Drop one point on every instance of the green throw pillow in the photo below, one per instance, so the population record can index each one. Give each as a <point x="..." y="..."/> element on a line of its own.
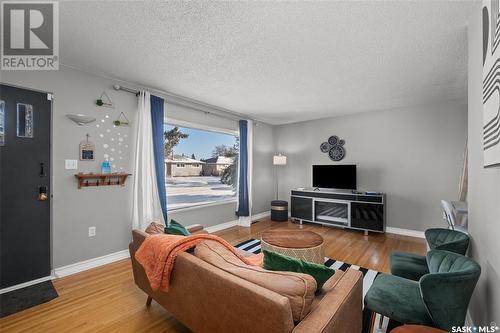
<point x="176" y="228"/>
<point x="278" y="262"/>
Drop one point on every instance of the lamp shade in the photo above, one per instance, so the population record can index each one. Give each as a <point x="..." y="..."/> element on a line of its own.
<point x="279" y="159"/>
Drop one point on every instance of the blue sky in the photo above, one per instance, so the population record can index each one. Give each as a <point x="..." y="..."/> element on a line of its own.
<point x="200" y="142"/>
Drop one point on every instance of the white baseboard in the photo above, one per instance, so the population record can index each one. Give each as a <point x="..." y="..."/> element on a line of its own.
<point x="226" y="225"/>
<point x="221" y="226"/>
<point x="261" y="215"/>
<point x="25" y="284"/>
<point x="91" y="263"/>
<point x="405" y="232"/>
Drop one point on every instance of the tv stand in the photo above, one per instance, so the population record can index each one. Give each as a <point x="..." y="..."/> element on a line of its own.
<point x="341" y="208"/>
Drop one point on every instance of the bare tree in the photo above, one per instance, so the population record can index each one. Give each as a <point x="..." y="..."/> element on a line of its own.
<point x="226" y="151"/>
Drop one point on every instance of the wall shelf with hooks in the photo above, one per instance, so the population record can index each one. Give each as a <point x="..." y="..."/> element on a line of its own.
<point x="101" y="179"/>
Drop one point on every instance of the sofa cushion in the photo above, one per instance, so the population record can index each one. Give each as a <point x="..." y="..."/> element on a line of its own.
<point x="279" y="262"/>
<point x="155" y="228"/>
<point x="298" y="288"/>
<point x="175" y="228"/>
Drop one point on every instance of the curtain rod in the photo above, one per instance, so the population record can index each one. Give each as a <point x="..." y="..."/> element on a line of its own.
<point x="174" y="98"/>
<point x="118" y="87"/>
<point x="191" y="103"/>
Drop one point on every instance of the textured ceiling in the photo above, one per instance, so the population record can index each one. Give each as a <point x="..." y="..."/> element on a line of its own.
<point x="279" y="62"/>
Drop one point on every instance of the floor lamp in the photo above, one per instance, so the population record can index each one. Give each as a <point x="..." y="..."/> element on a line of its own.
<point x="277" y="161"/>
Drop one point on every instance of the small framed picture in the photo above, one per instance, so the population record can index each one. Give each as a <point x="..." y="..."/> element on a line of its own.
<point x="87" y="151"/>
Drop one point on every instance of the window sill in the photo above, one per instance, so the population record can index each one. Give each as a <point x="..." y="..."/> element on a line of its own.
<point x="193" y="207"/>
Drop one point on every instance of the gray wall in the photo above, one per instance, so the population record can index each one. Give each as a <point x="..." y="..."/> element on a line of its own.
<point x="414" y="155"/>
<point x="263" y="151"/>
<point x="73" y="210"/>
<point x="484" y="191"/>
<point x="108" y="208"/>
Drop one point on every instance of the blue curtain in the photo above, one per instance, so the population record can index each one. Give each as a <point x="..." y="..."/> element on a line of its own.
<point x="243" y="203"/>
<point x="157" y="113"/>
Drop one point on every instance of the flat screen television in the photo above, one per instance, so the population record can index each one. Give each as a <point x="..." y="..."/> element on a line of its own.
<point x="335" y="176"/>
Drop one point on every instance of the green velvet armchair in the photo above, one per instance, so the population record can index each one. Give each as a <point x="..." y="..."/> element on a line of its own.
<point x="408" y="265"/>
<point x="448" y="240"/>
<point x="437" y="298"/>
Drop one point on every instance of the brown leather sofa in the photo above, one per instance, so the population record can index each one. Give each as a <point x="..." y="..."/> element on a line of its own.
<point x="208" y="297"/>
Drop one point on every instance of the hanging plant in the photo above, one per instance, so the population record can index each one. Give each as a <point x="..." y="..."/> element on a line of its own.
<point x="122" y="120"/>
<point x="104" y="100"/>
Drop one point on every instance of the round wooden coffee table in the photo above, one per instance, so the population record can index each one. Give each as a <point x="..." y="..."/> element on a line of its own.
<point x="301" y="244"/>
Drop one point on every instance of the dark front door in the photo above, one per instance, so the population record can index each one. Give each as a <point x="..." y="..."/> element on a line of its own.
<point x="25" y="120"/>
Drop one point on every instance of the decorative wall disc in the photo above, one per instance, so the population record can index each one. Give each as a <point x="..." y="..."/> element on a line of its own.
<point x="325" y="147"/>
<point x="336" y="153"/>
<point x="333" y="140"/>
<point x="334" y="148"/>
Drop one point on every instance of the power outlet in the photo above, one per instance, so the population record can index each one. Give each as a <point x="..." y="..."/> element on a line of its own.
<point x="91" y="231"/>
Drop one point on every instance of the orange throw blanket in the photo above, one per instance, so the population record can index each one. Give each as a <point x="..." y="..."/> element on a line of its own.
<point x="158" y="252"/>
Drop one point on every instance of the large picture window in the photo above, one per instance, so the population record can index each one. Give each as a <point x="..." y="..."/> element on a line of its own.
<point x="200" y="166"/>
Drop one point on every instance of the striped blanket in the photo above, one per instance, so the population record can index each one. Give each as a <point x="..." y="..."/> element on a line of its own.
<point x="253" y="246"/>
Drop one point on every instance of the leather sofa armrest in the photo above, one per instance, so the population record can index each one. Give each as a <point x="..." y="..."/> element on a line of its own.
<point x="332" y="281"/>
<point x="340" y="310"/>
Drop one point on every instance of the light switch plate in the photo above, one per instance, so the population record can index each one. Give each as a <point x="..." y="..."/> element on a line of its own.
<point x="71" y="164"/>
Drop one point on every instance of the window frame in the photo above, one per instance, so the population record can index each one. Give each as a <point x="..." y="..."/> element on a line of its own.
<point x="207" y="128"/>
<point x="196" y="126"/>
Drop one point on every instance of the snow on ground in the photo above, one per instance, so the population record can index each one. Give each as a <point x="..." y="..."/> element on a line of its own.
<point x="196" y="190"/>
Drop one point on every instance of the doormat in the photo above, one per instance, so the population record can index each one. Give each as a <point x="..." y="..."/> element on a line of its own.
<point x="27" y="297"/>
<point x="386" y="325"/>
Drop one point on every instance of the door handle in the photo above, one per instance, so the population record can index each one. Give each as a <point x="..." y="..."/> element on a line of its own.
<point x="42" y="193"/>
<point x="42" y="170"/>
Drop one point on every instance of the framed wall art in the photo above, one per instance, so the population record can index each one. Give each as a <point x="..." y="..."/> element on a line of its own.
<point x="87" y="150"/>
<point x="491" y="83"/>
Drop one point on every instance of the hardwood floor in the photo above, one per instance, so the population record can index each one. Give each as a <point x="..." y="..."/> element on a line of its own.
<point x="105" y="299"/>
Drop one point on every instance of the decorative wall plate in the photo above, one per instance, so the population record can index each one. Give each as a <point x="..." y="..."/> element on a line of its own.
<point x="333" y="140"/>
<point x="334" y="148"/>
<point x="336" y="153"/>
<point x="325" y="147"/>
